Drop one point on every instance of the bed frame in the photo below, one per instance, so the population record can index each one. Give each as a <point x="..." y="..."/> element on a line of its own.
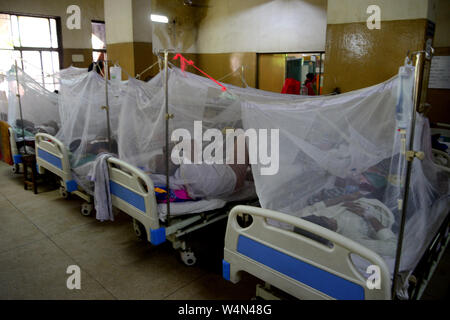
<point x="296" y="264"/>
<point x="442" y="154"/>
<point x="132" y="191"/>
<point x="52" y="155"/>
<point x="306" y="269"/>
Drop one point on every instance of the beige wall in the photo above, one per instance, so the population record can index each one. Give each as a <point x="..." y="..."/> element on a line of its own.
<point x="263" y="26"/>
<point x="119" y="21"/>
<point x="348" y="11"/>
<point x="241" y="26"/>
<point x="181" y="32"/>
<point x="142" y="25"/>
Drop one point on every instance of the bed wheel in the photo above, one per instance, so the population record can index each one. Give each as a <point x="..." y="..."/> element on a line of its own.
<point x="15" y="168"/>
<point x="86" y="209"/>
<point x="188" y="257"/>
<point x="63" y="192"/>
<point x="139" y="230"/>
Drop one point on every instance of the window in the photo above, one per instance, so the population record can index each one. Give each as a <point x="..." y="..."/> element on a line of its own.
<point x="33" y="42"/>
<point x="98" y="40"/>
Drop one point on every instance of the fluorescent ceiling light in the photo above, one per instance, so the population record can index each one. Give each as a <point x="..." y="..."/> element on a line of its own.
<point x="159" y="18"/>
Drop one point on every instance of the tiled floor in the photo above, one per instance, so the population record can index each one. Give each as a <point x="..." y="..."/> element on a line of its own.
<point x="41" y="235"/>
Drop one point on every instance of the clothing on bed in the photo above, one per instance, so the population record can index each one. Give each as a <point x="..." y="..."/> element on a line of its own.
<point x="102" y="197"/>
<point x="175" y="195"/>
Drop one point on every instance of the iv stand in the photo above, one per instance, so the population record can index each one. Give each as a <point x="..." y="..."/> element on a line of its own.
<point x="410" y="155"/>
<point x="106" y="106"/>
<point x="20" y="107"/>
<point x="168" y="117"/>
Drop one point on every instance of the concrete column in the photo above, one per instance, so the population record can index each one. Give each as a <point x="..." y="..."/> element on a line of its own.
<point x="129" y="35"/>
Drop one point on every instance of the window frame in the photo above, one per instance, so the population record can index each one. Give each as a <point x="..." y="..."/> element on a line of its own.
<point x="98" y="50"/>
<point x="21" y="49"/>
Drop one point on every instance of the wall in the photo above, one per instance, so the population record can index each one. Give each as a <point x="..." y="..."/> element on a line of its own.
<point x="358" y="57"/>
<point x="263" y="26"/>
<point x="440" y="98"/>
<point x="271" y="71"/>
<point x="219" y="65"/>
<point x="222" y="36"/>
<point x="74" y="41"/>
<point x="348" y="11"/>
<point x="180" y="33"/>
<point x="119" y="33"/>
<point x="129" y="35"/>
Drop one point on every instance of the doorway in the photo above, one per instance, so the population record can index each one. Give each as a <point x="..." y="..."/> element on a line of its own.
<point x="275" y="68"/>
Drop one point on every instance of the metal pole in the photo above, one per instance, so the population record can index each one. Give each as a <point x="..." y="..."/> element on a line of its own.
<point x="20" y="108"/>
<point x="166" y="101"/>
<point x="108" y="125"/>
<point x="417" y="88"/>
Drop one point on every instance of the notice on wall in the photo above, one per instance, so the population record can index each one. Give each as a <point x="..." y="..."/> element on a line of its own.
<point x="440" y="73"/>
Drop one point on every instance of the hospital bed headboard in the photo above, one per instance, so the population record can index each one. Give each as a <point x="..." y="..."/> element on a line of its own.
<point x="296" y="264"/>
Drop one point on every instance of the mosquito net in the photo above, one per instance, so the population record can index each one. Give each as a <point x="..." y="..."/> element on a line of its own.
<point x="201" y="111"/>
<point x="82" y="101"/>
<point x="342" y="165"/>
<point x="3" y="98"/>
<point x="39" y="106"/>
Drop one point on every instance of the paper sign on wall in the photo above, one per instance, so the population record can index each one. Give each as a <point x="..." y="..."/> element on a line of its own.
<point x="440" y="73"/>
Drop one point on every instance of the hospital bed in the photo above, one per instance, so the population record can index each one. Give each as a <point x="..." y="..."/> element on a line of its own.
<point x="441" y="159"/>
<point x="305" y="268"/>
<point x="16" y="155"/>
<point x="52" y="155"/>
<point x="132" y="191"/>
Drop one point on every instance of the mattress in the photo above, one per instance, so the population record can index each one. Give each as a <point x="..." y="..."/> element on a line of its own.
<point x="191" y="207"/>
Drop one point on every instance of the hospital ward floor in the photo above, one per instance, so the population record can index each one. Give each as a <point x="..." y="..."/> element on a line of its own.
<point x="41" y="235"/>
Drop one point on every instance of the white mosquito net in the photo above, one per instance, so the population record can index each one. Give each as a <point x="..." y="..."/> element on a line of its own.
<point x="84" y="130"/>
<point x="342" y="166"/>
<point x="198" y="104"/>
<point x="39" y="106"/>
<point x="3" y="98"/>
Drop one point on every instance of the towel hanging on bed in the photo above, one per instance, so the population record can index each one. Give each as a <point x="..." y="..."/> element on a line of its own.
<point x="102" y="196"/>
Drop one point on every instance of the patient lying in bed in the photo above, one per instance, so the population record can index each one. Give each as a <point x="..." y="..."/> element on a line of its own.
<point x="366" y="221"/>
<point x="208" y="181"/>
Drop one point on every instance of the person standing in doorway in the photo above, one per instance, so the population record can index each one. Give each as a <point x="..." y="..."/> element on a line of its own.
<point x="309" y="84"/>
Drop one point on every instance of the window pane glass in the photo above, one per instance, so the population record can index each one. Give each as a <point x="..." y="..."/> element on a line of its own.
<point x="98" y="36"/>
<point x="95" y="55"/>
<point x="7" y="59"/>
<point x="15" y="31"/>
<point x="50" y="63"/>
<point x="34" y="32"/>
<point x="54" y="34"/>
<point x="55" y="57"/>
<point x="5" y="32"/>
<point x="32" y="64"/>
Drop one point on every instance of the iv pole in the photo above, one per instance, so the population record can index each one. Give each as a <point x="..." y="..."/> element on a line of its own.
<point x="168" y="117"/>
<point x="106" y="106"/>
<point x="20" y="107"/>
<point x="410" y="155"/>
